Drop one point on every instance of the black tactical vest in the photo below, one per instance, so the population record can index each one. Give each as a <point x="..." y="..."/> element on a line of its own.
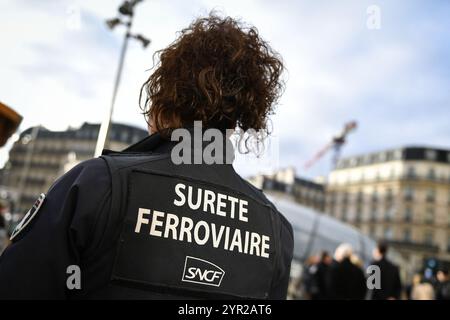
<point x="191" y="230"/>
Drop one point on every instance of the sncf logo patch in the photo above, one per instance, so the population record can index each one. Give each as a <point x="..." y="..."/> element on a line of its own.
<point x="200" y="271"/>
<point x="29" y="216"/>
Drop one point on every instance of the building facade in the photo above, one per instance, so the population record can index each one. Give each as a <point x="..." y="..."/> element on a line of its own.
<point x="285" y="183"/>
<point x="401" y="196"/>
<point x="40" y="156"/>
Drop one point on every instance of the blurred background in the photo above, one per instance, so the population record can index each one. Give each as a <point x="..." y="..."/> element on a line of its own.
<point x="360" y="149"/>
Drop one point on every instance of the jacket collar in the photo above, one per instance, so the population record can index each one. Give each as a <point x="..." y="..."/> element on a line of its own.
<point x="153" y="143"/>
<point x="158" y="144"/>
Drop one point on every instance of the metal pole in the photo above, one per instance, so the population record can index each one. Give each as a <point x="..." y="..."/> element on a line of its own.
<point x="104" y="128"/>
<point x="27" y="163"/>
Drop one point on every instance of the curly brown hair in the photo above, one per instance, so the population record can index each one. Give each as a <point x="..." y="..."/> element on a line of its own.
<point x="218" y="71"/>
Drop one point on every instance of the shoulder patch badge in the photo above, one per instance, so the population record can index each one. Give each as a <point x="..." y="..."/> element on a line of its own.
<point x="29" y="216"/>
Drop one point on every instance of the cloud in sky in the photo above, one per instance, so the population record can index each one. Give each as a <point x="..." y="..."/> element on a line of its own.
<point x="394" y="81"/>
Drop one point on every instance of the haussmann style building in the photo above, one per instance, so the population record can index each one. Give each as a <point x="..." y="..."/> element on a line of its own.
<point x="40" y="156"/>
<point x="401" y="196"/>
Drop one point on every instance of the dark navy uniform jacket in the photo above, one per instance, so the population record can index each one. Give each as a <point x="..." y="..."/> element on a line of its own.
<point x="127" y="221"/>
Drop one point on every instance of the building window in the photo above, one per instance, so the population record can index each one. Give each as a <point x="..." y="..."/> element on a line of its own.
<point x="389" y="213"/>
<point x="359" y="206"/>
<point x="331" y="199"/>
<point x="373" y="214"/>
<point x="94" y="133"/>
<point x="377" y="176"/>
<point x="431" y="194"/>
<point x="124" y="136"/>
<point x="388" y="233"/>
<point x="358" y="214"/>
<point x="389" y="195"/>
<point x="113" y="135"/>
<point x="407" y="235"/>
<point x="359" y="197"/>
<point x="431" y="174"/>
<point x="411" y="172"/>
<point x="429" y="216"/>
<point x="374" y="196"/>
<point x="428" y="238"/>
<point x="392" y="173"/>
<point x="344" y="205"/>
<point x="431" y="155"/>
<point x="135" y="139"/>
<point x="372" y="233"/>
<point x="408" y="193"/>
<point x="408" y="214"/>
<point x="389" y="156"/>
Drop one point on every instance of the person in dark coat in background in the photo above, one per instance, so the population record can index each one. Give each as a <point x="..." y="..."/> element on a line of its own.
<point x="391" y="286"/>
<point x="443" y="285"/>
<point x="346" y="281"/>
<point x="320" y="276"/>
<point x="309" y="283"/>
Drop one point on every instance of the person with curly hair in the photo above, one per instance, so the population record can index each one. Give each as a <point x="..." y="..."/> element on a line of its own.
<point x="137" y="225"/>
<point x="217" y="71"/>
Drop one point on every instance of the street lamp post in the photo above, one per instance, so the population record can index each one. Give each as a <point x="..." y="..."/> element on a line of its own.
<point x="31" y="140"/>
<point x="126" y="10"/>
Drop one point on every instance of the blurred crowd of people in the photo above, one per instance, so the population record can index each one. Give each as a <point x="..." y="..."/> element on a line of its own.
<point x="342" y="277"/>
<point x="436" y="288"/>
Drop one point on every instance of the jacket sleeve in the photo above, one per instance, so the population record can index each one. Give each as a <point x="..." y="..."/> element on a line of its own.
<point x="280" y="285"/>
<point x="35" y="265"/>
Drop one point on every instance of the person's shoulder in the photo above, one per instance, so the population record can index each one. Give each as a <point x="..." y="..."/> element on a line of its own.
<point x="121" y="160"/>
<point x="93" y="164"/>
<point x="389" y="264"/>
<point x="91" y="169"/>
<point x="89" y="174"/>
<point x="395" y="267"/>
<point x="334" y="264"/>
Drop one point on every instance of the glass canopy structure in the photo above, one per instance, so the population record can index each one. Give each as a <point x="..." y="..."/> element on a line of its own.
<point x="315" y="232"/>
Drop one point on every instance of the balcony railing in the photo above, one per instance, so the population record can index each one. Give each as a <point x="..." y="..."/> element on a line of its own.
<point x="396" y="178"/>
<point x="414" y="245"/>
<point x="408" y="197"/>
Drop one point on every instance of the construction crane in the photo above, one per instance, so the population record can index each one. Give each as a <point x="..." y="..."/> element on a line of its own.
<point x="335" y="144"/>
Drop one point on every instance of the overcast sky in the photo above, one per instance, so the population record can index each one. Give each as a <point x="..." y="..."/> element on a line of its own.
<point x="58" y="61"/>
